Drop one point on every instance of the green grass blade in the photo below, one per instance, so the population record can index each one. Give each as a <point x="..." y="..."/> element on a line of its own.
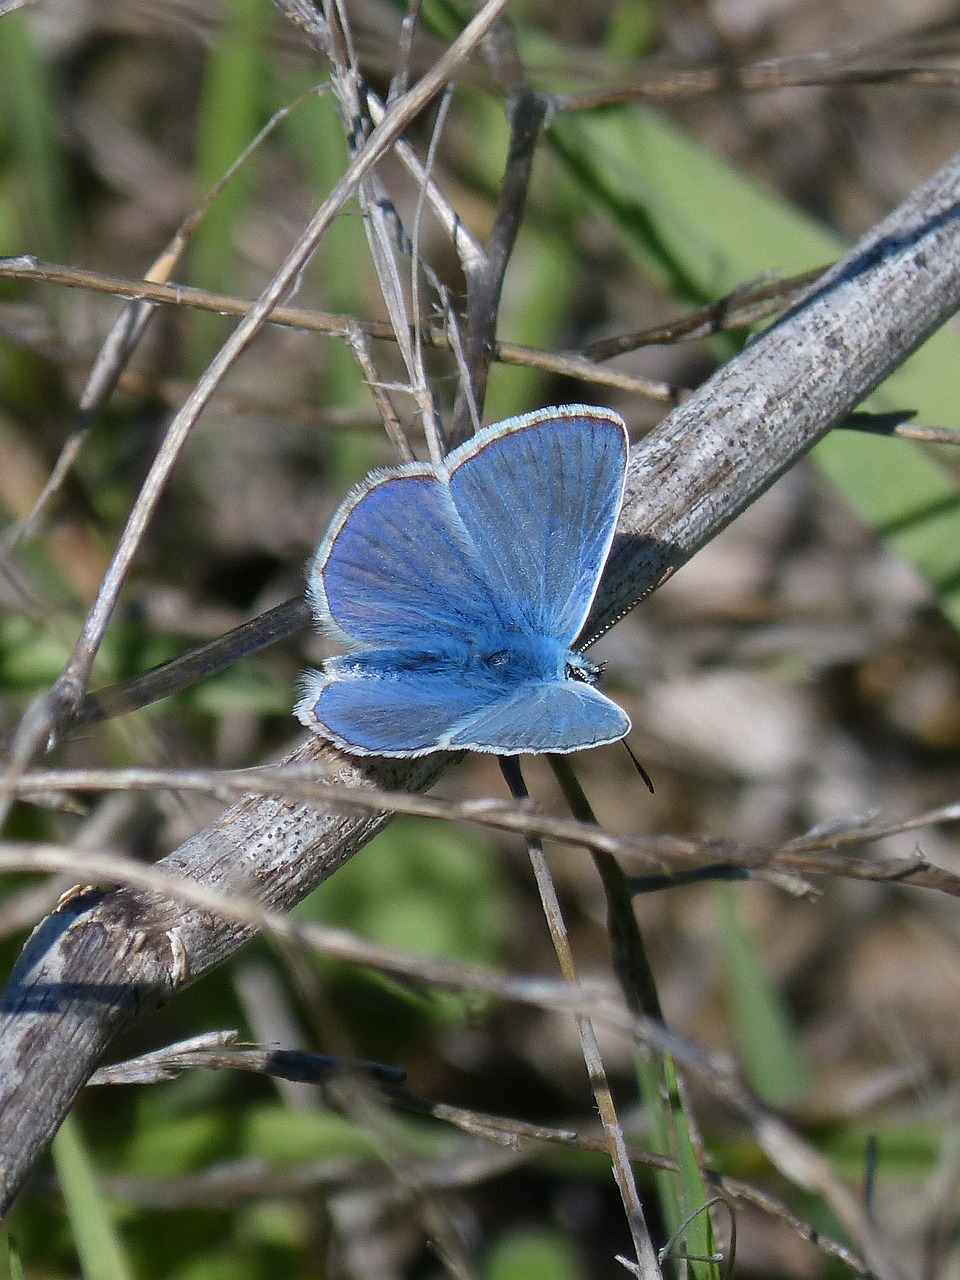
<point x="29" y="113"/>
<point x="696" y="1239"/>
<point x="97" y="1243"/>
<point x="11" y="1256"/>
<point x="229" y="116"/>
<point x="682" y="1196"/>
<point x="769" y="1047"/>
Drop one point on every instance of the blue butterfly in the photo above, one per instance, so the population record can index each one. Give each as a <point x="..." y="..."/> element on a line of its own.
<point x="458" y="590"/>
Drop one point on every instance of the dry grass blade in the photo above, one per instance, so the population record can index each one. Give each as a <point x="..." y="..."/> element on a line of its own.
<point x="929" y="64"/>
<point x="218" y="1052"/>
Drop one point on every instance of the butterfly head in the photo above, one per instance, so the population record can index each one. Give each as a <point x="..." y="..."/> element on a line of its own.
<point x="577" y="667"/>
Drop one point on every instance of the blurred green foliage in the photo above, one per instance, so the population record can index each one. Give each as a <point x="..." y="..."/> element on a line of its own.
<point x="678" y="215"/>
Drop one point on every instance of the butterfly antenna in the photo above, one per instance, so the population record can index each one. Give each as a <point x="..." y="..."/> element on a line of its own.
<point x="648" y="781"/>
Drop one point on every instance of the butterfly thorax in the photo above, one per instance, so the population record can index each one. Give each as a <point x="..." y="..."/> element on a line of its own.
<point x="522" y="657"/>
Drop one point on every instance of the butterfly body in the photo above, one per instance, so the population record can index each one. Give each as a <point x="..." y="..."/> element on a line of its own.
<point x="460" y="589"/>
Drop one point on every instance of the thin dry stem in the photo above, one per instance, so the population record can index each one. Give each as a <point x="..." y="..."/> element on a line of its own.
<point x="563" y="364"/>
<point x="820" y="852"/>
<point x="646" y="1264"/>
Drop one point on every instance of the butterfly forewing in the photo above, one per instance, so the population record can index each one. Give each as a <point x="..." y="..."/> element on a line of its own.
<point x="540" y="501"/>
<point x="399" y="570"/>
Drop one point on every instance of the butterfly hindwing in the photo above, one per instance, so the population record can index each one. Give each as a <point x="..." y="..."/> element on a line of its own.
<point x="408" y="715"/>
<point x="404" y="715"/>
<point x="559" y="717"/>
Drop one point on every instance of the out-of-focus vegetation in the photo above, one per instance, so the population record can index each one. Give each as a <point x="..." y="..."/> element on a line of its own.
<point x="802" y="669"/>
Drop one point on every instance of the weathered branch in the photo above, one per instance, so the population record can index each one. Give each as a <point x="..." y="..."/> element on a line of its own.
<point x="90" y="969"/>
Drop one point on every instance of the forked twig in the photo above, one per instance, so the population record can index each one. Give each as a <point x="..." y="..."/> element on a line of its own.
<point x="656" y="861"/>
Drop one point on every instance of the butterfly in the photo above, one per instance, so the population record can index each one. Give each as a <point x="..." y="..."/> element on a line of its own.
<point x="458" y="590"/>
